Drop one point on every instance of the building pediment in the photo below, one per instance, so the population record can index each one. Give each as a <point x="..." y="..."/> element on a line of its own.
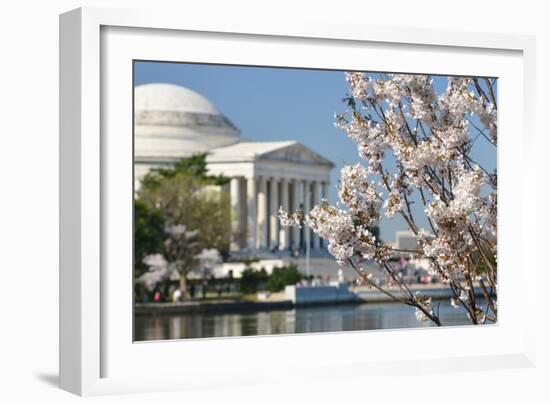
<point x="283" y="151"/>
<point x="297" y="153"/>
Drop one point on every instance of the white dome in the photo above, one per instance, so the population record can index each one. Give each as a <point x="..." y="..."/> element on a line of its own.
<point x="174" y="122"/>
<point x="170" y="97"/>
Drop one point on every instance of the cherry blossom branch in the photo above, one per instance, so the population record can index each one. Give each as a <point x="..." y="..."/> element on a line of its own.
<point x="433" y="159"/>
<point x="480" y="131"/>
<point x="491" y="92"/>
<point x="480" y="90"/>
<point x="411" y="301"/>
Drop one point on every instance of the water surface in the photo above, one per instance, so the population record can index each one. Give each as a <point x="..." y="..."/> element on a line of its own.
<point x="368" y="316"/>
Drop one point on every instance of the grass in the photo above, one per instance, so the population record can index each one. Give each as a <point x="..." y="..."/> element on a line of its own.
<point x="213" y="296"/>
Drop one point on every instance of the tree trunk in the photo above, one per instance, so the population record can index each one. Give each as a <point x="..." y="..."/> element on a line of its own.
<point x="183" y="284"/>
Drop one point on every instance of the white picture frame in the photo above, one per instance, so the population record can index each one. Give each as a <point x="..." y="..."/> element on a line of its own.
<point x="96" y="355"/>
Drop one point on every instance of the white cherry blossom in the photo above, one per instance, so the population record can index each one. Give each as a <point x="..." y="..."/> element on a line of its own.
<point x="416" y="145"/>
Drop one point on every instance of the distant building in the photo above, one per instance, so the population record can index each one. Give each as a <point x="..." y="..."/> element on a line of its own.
<point x="406" y="240"/>
<point x="174" y="122"/>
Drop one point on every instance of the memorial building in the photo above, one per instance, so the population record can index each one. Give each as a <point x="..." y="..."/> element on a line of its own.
<point x="174" y="122"/>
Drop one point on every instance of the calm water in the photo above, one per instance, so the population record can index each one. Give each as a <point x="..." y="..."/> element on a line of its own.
<point x="300" y="320"/>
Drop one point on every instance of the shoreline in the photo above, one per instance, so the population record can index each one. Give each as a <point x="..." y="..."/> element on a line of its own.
<point x="232" y="306"/>
<point x="169" y="308"/>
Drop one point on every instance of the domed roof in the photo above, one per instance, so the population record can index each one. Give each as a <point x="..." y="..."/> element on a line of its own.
<point x="170" y="97"/>
<point x="173" y="122"/>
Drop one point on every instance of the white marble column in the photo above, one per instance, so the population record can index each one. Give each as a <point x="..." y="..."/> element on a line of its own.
<point x="284" y="233"/>
<point x="236" y="214"/>
<point x="251" y="213"/>
<point x="307" y="208"/>
<point x="315" y="190"/>
<point x="296" y="197"/>
<point x="273" y="212"/>
<point x="324" y="196"/>
<point x="261" y="238"/>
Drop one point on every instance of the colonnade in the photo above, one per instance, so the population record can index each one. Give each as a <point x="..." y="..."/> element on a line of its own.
<point x="255" y="203"/>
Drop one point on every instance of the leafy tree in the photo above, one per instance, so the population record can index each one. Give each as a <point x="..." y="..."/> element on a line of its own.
<point x="187" y="197"/>
<point x="194" y="166"/>
<point x="251" y="280"/>
<point x="186" y="200"/>
<point x="148" y="234"/>
<point x="283" y="276"/>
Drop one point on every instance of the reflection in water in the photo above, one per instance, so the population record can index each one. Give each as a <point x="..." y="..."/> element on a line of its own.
<point x="299" y="320"/>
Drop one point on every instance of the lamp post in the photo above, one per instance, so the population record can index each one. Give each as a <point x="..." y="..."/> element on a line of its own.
<point x="307" y="241"/>
<point x="308" y="245"/>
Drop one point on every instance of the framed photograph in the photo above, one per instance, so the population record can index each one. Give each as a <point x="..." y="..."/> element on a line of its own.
<point x="281" y="198"/>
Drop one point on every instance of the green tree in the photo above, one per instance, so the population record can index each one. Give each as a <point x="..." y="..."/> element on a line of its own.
<point x="283" y="276"/>
<point x="148" y="234"/>
<point x="252" y="280"/>
<point x="186" y="196"/>
<point x="194" y="166"/>
<point x="186" y="200"/>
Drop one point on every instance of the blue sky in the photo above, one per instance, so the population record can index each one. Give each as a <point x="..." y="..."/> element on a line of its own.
<point x="270" y="104"/>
